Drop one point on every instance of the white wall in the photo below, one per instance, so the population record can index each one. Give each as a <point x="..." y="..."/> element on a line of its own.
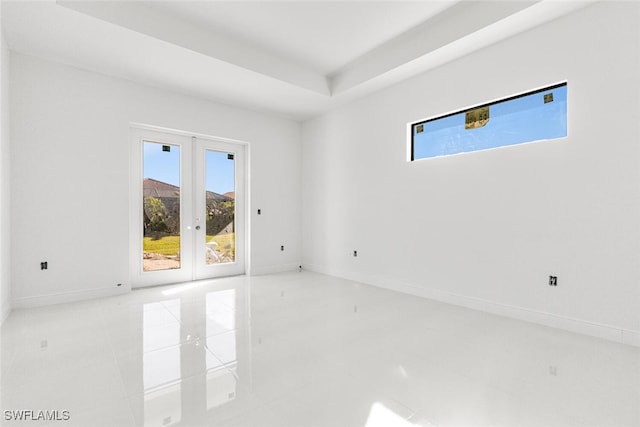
<point x="5" y="259"/>
<point x="70" y="177"/>
<point x="486" y="229"/>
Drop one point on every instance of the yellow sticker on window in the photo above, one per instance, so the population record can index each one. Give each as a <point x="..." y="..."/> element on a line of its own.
<point x="476" y="118"/>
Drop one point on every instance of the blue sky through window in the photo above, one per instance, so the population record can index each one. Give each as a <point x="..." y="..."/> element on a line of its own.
<point x="220" y="172"/>
<point x="162" y="165"/>
<point x="165" y="166"/>
<point x="512" y="121"/>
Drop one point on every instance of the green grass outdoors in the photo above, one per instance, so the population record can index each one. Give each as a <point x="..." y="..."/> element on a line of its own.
<point x="170" y="245"/>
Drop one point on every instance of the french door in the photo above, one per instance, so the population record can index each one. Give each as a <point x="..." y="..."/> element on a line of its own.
<point x="188" y="208"/>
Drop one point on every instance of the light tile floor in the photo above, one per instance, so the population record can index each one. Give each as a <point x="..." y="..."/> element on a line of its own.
<point x="302" y="349"/>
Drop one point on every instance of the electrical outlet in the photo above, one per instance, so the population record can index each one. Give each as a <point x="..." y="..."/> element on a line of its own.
<point x="44" y="265"/>
<point x="553" y="280"/>
<point x="282" y="248"/>
<point x="355" y="253"/>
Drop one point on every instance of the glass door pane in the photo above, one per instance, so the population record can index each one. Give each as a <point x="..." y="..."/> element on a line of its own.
<point x="188" y="208"/>
<point x="161" y="207"/>
<point x="220" y="240"/>
<point x="219" y="183"/>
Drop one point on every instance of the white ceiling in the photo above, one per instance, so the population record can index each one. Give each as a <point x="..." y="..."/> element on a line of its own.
<point x="293" y="58"/>
<point x="322" y="36"/>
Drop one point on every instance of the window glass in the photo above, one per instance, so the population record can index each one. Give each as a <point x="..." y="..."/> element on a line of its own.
<point x="533" y="116"/>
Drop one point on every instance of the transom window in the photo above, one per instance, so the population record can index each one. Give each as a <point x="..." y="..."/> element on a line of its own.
<point x="533" y="116"/>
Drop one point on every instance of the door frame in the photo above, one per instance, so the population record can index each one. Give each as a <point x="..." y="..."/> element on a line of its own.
<point x="187" y="141"/>
<point x="200" y="147"/>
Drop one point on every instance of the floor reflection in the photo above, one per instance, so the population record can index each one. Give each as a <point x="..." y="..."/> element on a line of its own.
<point x="221" y="342"/>
<point x="174" y="358"/>
<point x="302" y="349"/>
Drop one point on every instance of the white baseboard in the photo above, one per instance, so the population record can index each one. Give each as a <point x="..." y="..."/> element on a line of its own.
<point x="580" y="326"/>
<point x="65" y="297"/>
<point x="272" y="269"/>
